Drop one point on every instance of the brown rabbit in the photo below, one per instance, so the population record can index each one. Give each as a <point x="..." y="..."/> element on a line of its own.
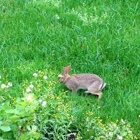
<point x="92" y="82"/>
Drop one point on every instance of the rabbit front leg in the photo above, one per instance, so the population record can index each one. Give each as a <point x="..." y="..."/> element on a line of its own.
<point x="73" y="87"/>
<point x="74" y="90"/>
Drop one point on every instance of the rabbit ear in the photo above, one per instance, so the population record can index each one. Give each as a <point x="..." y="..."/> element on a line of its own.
<point x="66" y="70"/>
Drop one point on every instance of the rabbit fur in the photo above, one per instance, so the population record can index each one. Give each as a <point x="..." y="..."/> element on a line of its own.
<point x="92" y="82"/>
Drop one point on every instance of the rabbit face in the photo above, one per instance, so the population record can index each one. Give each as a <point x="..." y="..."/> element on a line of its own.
<point x="64" y="75"/>
<point x="60" y="78"/>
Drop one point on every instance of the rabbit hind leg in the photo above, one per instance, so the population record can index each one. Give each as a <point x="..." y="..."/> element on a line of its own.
<point x="99" y="93"/>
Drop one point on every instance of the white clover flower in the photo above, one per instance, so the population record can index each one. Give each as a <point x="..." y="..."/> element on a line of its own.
<point x="40" y="100"/>
<point x="9" y="84"/>
<point x="44" y="103"/>
<point x="3" y="86"/>
<point x="122" y="121"/>
<point x="31" y="86"/>
<point x="0" y="76"/>
<point x="35" y="74"/>
<point x="28" y="90"/>
<point x="110" y="134"/>
<point x="45" y="77"/>
<point x="119" y="137"/>
<point x="57" y="17"/>
<point x="29" y="98"/>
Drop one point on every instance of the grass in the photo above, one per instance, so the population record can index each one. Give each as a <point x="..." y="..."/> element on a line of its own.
<point x="99" y="37"/>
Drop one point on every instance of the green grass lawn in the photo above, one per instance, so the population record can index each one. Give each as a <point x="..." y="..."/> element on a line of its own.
<point x="43" y="36"/>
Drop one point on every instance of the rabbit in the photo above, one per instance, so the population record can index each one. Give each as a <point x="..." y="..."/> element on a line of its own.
<point x="92" y="82"/>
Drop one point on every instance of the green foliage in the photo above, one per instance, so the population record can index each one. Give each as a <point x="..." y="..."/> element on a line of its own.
<point x="38" y="38"/>
<point x="51" y="116"/>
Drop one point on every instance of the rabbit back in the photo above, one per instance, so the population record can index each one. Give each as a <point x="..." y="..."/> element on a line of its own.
<point x="84" y="81"/>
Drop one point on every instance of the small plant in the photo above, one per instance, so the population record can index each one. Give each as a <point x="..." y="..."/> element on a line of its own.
<point x="33" y="116"/>
<point x="17" y="118"/>
<point x="93" y="128"/>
